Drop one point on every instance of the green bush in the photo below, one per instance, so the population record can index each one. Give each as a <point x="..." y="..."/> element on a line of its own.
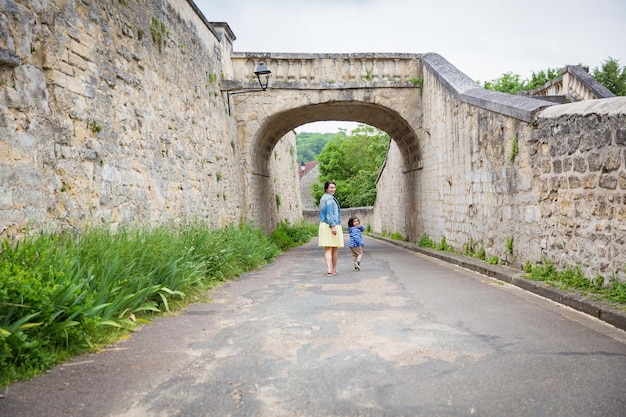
<point x="287" y="236"/>
<point x="426" y="242"/>
<point x="617" y="292"/>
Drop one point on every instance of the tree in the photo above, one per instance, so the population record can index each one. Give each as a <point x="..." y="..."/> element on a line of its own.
<point x="309" y="145"/>
<point x="538" y="79"/>
<point x="354" y="163"/>
<point x="611" y="76"/>
<point x="512" y="83"/>
<point x="506" y="83"/>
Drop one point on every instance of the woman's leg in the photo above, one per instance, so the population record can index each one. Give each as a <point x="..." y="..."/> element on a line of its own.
<point x="328" y="258"/>
<point x="335" y="256"/>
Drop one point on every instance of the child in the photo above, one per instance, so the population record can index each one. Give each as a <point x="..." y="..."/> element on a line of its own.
<point x="356" y="241"/>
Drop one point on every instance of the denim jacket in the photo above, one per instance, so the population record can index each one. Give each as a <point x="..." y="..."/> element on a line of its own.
<point x="329" y="210"/>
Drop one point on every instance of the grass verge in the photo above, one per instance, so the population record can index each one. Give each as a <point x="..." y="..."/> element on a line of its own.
<point x="571" y="279"/>
<point x="62" y="294"/>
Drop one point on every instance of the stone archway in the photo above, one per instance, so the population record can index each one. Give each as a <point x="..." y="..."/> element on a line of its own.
<point x="259" y="149"/>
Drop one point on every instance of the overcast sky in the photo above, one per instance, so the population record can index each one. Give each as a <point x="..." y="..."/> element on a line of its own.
<point x="482" y="38"/>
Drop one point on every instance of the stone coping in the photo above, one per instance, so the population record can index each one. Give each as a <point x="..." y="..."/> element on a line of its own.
<point x="468" y="91"/>
<point x="460" y="85"/>
<point x="613" y="106"/>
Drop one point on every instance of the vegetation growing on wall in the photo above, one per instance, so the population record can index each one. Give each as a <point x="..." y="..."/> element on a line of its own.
<point x="514" y="148"/>
<point x="96" y="127"/>
<point x="418" y="82"/>
<point x="158" y="30"/>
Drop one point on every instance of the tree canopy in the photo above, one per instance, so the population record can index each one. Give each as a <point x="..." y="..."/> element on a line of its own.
<point x="353" y="162"/>
<point x="309" y="145"/>
<point x="611" y="76"/>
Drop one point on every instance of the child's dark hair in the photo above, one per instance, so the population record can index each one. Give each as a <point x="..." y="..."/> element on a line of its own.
<point x="351" y="221"/>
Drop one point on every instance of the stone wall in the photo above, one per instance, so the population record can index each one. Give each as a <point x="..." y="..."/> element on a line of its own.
<point x="363" y="213"/>
<point x="111" y="112"/>
<point x="115" y="113"/>
<point x="285" y="195"/>
<point x="578" y="152"/>
<point x="551" y="189"/>
<point x="306" y="188"/>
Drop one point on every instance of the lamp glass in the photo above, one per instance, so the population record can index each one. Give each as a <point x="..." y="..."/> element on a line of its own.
<point x="262" y="70"/>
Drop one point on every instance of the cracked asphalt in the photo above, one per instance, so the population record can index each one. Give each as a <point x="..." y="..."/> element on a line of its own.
<point x="409" y="335"/>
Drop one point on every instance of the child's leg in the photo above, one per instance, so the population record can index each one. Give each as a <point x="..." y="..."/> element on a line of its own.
<point x="359" y="254"/>
<point x="354" y="253"/>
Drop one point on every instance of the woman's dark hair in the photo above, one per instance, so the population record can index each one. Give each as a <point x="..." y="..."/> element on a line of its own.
<point x="327" y="184"/>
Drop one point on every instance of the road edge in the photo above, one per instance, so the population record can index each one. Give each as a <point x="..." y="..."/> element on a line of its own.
<point x="598" y="309"/>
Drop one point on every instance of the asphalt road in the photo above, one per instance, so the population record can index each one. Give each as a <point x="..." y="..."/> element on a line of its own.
<point x="408" y="335"/>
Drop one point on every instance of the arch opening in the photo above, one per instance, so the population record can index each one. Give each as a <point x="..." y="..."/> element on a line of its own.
<point x="380" y="117"/>
<point x="277" y="125"/>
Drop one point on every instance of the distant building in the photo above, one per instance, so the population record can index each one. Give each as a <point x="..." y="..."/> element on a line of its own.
<point x="308" y="173"/>
<point x="305" y="167"/>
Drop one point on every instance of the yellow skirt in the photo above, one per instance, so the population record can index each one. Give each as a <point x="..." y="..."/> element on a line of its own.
<point x="326" y="237"/>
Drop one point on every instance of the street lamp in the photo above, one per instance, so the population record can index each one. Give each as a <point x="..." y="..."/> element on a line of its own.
<point x="262" y="74"/>
<point x="263" y="70"/>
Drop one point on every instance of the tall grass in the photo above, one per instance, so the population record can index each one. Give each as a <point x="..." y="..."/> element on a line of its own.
<point x="64" y="293"/>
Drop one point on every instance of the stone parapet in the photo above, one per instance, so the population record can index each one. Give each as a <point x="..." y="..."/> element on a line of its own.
<point x="328" y="71"/>
<point x="574" y="84"/>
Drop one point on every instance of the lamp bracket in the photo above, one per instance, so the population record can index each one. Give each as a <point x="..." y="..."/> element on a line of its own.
<point x="232" y="93"/>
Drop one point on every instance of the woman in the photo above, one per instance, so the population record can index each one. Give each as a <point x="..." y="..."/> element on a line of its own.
<point x="330" y="233"/>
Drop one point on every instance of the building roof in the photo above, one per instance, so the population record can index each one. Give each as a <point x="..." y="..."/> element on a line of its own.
<point x="308" y="166"/>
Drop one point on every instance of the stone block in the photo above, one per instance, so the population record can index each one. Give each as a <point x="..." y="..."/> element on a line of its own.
<point x="594" y="161"/>
<point x="9" y="58"/>
<point x="590" y="181"/>
<point x="580" y="164"/>
<point x="75" y="85"/>
<point x="574" y="182"/>
<point x="77" y="61"/>
<point x="81" y="50"/>
<point x="6" y="197"/>
<point x="608" y="181"/>
<point x="612" y="160"/>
